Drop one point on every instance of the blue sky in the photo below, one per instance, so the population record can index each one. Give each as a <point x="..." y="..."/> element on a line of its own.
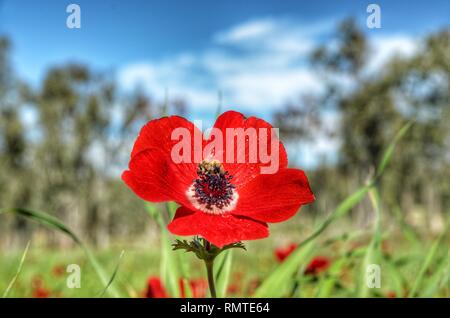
<point x="115" y="33"/>
<point x="254" y="51"/>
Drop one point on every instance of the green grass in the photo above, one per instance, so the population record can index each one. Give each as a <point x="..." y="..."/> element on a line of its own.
<point x="412" y="264"/>
<point x="402" y="265"/>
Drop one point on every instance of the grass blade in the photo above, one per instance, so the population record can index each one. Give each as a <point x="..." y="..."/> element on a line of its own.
<point x="438" y="279"/>
<point x="408" y="231"/>
<point x="387" y="155"/>
<point x="397" y="281"/>
<point x="56" y="224"/>
<point x="171" y="267"/>
<point x="19" y="269"/>
<point x="283" y="273"/>
<point x="113" y="276"/>
<point x="277" y="284"/>
<point x="222" y="272"/>
<point x="373" y="250"/>
<point x="327" y="284"/>
<point x="427" y="262"/>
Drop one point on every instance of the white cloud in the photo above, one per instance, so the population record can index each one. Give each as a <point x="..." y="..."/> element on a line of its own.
<point x="275" y="35"/>
<point x="246" y="31"/>
<point x="259" y="65"/>
<point x="269" y="70"/>
<point x="175" y="76"/>
<point x="139" y="74"/>
<point x="269" y="88"/>
<point x="388" y="46"/>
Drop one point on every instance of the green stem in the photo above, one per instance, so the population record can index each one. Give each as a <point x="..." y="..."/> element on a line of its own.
<point x="209" y="269"/>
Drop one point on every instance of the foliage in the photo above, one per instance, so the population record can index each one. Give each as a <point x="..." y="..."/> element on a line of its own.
<point x="66" y="156"/>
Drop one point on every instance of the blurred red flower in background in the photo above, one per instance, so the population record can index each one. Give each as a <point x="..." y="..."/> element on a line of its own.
<point x="58" y="270"/>
<point x="155" y="288"/>
<point x="317" y="265"/>
<point x="253" y="285"/>
<point x="281" y="253"/>
<point x="198" y="287"/>
<point x="38" y="289"/>
<point x="233" y="289"/>
<point x="236" y="285"/>
<point x="391" y="294"/>
<point x="221" y="201"/>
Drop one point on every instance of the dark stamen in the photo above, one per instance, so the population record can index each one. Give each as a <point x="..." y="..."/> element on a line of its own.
<point x="213" y="187"/>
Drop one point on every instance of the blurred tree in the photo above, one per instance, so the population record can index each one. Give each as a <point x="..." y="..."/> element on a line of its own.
<point x="372" y="106"/>
<point x="66" y="156"/>
<point x="64" y="142"/>
<point x="13" y="144"/>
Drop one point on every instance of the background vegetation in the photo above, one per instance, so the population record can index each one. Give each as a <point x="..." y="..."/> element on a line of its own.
<point x="68" y="165"/>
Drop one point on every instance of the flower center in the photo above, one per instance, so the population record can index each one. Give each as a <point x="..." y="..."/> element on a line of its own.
<point x="212" y="192"/>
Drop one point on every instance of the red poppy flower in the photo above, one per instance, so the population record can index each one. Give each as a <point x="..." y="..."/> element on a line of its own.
<point x="155" y="288"/>
<point x="317" y="265"/>
<point x="253" y="286"/>
<point x="281" y="253"/>
<point x="235" y="286"/>
<point x="58" y="270"/>
<point x="39" y="291"/>
<point x="221" y="201"/>
<point x="233" y="289"/>
<point x="199" y="288"/>
<point x="391" y="294"/>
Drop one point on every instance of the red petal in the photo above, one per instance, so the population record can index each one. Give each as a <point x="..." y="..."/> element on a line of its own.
<point x="274" y="197"/>
<point x="153" y="177"/>
<point x="244" y="172"/>
<point x="281" y="253"/>
<point x="318" y="264"/>
<point x="155" y="288"/>
<point x="220" y="230"/>
<point x="157" y="134"/>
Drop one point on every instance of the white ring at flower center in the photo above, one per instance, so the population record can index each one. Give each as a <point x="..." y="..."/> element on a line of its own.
<point x="190" y="193"/>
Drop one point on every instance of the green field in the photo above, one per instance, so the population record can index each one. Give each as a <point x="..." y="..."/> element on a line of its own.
<point x="406" y="264"/>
